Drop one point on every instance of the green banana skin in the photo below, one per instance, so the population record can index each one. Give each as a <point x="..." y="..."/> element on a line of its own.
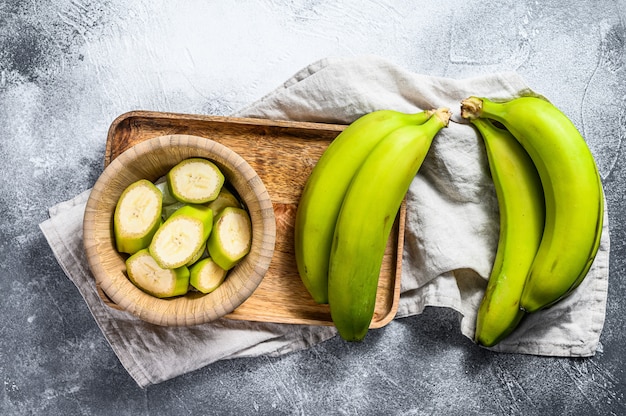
<point x="572" y="188"/>
<point x="365" y="220"/>
<point x="326" y="186"/>
<point x="596" y="244"/>
<point x="522" y="218"/>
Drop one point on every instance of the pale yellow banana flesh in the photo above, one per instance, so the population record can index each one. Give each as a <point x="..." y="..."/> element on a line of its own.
<point x="177" y="241"/>
<point x="325" y="188"/>
<point x="181" y="236"/>
<point x="195" y="181"/>
<point x="573" y="194"/>
<point x="366" y="217"/>
<point x="522" y="218"/>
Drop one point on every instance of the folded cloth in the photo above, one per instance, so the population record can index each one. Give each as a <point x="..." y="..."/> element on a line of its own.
<point x="450" y="238"/>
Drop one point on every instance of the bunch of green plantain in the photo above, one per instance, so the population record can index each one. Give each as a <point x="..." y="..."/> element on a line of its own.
<point x="551" y="206"/>
<point x="549" y="193"/>
<point x="348" y="207"/>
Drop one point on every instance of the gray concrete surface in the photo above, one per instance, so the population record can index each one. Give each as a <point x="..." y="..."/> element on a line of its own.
<point x="69" y="67"/>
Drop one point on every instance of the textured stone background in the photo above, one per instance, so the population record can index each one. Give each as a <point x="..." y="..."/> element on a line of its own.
<point x="69" y="67"/>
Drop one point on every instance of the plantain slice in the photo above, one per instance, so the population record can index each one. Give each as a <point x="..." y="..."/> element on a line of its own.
<point x="195" y="181"/>
<point x="181" y="236"/>
<point x="231" y="237"/>
<point x="206" y="275"/>
<point x="224" y="199"/>
<point x="147" y="275"/>
<point x="137" y="216"/>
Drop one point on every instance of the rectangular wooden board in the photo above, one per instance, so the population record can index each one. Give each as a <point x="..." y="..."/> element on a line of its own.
<point x="283" y="153"/>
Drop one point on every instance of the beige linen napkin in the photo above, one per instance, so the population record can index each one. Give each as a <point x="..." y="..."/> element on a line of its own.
<point x="451" y="231"/>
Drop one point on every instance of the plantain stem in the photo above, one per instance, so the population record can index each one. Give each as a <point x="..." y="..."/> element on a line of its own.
<point x="471" y="108"/>
<point x="443" y="114"/>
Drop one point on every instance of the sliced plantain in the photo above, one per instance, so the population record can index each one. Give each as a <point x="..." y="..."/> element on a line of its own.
<point x="195" y="181"/>
<point x="147" y="275"/>
<point x="206" y="275"/>
<point x="181" y="236"/>
<point x="137" y="216"/>
<point x="224" y="199"/>
<point x="231" y="237"/>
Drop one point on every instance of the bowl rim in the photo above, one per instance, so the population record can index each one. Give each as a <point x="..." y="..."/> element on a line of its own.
<point x="193" y="308"/>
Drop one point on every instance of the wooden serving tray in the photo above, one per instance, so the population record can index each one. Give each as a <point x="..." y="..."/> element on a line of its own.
<point x="283" y="153"/>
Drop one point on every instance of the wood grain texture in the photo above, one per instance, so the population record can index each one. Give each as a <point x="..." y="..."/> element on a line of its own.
<point x="282" y="153"/>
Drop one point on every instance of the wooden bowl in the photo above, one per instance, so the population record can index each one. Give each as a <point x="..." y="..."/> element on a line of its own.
<point x="150" y="160"/>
